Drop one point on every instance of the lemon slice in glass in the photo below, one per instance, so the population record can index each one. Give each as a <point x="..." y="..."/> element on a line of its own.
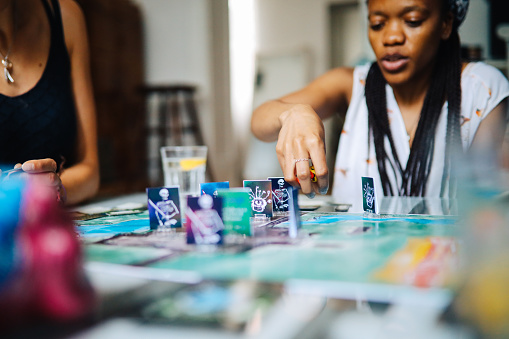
<point x="190" y="163"/>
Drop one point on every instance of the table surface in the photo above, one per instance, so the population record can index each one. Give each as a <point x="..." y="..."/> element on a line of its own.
<point x="394" y="259"/>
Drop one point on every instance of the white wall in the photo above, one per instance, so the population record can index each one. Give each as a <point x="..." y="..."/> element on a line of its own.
<point x="178" y="50"/>
<point x="475" y="29"/>
<point x="176" y="41"/>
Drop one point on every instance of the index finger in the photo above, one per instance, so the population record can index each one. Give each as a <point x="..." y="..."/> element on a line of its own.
<point x="321" y="170"/>
<point x="39" y="166"/>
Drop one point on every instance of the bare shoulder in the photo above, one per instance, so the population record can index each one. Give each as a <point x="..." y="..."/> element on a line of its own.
<point x="74" y="23"/>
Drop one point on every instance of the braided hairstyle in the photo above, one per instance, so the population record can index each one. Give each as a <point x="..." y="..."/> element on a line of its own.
<point x="445" y="85"/>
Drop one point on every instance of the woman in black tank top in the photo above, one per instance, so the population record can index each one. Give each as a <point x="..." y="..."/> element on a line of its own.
<point x="47" y="113"/>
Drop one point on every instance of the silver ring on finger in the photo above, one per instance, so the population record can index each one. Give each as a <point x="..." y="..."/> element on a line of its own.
<point x="302" y="159"/>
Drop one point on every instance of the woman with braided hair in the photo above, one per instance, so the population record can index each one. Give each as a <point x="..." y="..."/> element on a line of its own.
<point x="407" y="114"/>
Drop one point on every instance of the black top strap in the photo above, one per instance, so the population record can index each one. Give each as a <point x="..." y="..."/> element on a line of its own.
<point x="54" y="16"/>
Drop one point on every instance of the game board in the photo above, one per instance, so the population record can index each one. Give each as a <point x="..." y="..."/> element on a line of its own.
<point x="393" y="249"/>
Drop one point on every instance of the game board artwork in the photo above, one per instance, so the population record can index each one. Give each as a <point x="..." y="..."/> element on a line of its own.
<point x="423" y="262"/>
<point x="204" y="225"/>
<point x="164" y="207"/>
<point x="261" y="197"/>
<point x="280" y="195"/>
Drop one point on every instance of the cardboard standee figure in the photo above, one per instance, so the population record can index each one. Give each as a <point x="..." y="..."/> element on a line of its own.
<point x="204" y="225"/>
<point x="280" y="194"/>
<point x="369" y="201"/>
<point x="294" y="213"/>
<point x="165" y="212"/>
<point x="236" y="210"/>
<point x="211" y="188"/>
<point x="261" y="197"/>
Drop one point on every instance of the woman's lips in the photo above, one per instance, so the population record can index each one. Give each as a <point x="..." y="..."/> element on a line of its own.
<point x="394" y="63"/>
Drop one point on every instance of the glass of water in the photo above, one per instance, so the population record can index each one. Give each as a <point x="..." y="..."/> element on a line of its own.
<point x="184" y="166"/>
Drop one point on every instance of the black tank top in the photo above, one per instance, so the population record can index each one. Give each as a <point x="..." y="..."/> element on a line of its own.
<point x="41" y="123"/>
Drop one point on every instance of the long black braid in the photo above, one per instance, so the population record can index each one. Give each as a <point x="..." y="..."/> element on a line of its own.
<point x="445" y="84"/>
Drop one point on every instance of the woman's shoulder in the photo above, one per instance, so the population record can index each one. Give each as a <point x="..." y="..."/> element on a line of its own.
<point x="480" y="71"/>
<point x="73" y="21"/>
<point x="479" y="76"/>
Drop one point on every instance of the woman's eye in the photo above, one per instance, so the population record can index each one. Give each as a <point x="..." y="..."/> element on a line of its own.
<point x="414" y="23"/>
<point x="376" y="26"/>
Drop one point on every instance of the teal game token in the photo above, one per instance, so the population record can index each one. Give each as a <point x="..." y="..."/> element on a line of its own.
<point x="236" y="210"/>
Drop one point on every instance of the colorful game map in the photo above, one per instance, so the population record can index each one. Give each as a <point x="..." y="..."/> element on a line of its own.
<point x="404" y="250"/>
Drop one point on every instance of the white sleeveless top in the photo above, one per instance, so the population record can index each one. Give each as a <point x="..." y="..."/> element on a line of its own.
<point x="483" y="88"/>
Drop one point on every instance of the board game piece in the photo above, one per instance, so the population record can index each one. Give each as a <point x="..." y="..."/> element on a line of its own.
<point x="369" y="201"/>
<point x="211" y="188"/>
<point x="294" y="213"/>
<point x="236" y="210"/>
<point x="204" y="225"/>
<point x="280" y="195"/>
<point x="261" y="197"/>
<point x="164" y="207"/>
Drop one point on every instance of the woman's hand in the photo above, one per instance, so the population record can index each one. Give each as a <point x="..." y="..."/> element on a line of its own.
<point x="302" y="137"/>
<point x="44" y="172"/>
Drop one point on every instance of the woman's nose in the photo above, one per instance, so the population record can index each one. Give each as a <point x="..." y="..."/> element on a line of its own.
<point x="394" y="34"/>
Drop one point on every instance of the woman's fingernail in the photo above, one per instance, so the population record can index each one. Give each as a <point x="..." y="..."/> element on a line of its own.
<point x="324" y="190"/>
<point x="28" y="166"/>
<point x="311" y="195"/>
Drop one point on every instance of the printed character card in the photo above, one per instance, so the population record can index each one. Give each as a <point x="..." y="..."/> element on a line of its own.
<point x="261" y="197"/>
<point x="369" y="202"/>
<point x="211" y="188"/>
<point x="204" y="224"/>
<point x="236" y="210"/>
<point x="294" y="212"/>
<point x="164" y="207"/>
<point x="280" y="195"/>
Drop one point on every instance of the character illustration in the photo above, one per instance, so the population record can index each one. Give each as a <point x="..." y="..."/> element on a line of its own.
<point x="259" y="200"/>
<point x="165" y="209"/>
<point x="281" y="196"/>
<point x="205" y="222"/>
<point x="369" y="194"/>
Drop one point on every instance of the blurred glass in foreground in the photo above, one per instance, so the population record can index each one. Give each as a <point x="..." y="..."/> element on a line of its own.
<point x="483" y="299"/>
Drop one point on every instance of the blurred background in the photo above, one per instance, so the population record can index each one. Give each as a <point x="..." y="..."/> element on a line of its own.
<point x="180" y="72"/>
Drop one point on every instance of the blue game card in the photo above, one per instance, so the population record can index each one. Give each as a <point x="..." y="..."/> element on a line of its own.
<point x="164" y="207"/>
<point x="236" y="211"/>
<point x="280" y="195"/>
<point x="211" y="188"/>
<point x="204" y="224"/>
<point x="369" y="202"/>
<point x="294" y="212"/>
<point x="261" y="197"/>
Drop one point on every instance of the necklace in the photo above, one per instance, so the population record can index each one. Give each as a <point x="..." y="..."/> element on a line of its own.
<point x="5" y="58"/>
